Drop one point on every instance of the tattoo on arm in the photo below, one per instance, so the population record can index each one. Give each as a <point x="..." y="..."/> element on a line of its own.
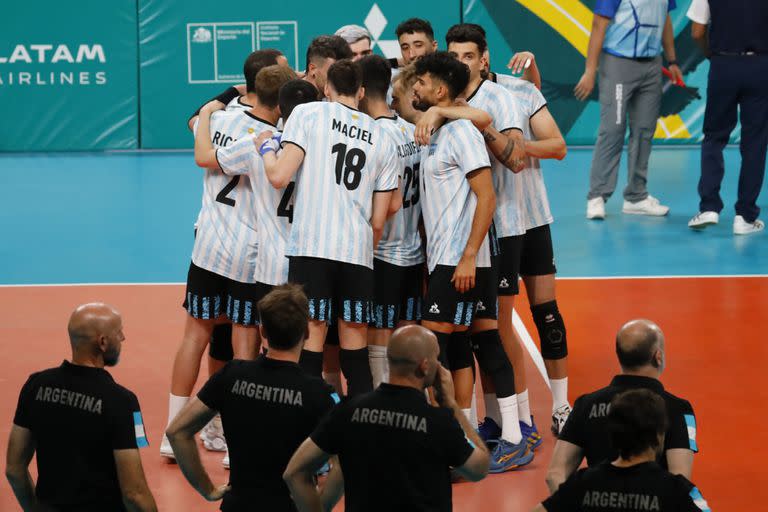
<point x="488" y="137"/>
<point x="507" y="150"/>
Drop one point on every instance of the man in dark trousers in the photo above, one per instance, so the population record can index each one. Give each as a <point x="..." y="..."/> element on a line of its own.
<point x="84" y="428"/>
<point x="737" y="46"/>
<point x="633" y="480"/>
<point x="268" y="407"/>
<point x="395" y="449"/>
<point x="640" y="350"/>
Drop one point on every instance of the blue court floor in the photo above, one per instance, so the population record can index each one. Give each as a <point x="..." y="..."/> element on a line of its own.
<point x="128" y="217"/>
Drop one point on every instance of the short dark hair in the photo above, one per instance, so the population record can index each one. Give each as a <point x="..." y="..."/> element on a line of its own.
<point x="293" y="94"/>
<point x="467" y="33"/>
<point x="377" y="75"/>
<point x="345" y="77"/>
<point x="636" y="420"/>
<point x="269" y="81"/>
<point x="638" y="354"/>
<point x="328" y="47"/>
<point x="414" y="26"/>
<point x="445" y="67"/>
<point x="284" y="316"/>
<point x="255" y="62"/>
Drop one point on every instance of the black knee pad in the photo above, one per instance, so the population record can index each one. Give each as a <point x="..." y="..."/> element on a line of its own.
<point x="460" y="352"/>
<point x="442" y="342"/>
<point x="220" y="347"/>
<point x="312" y="363"/>
<point x="357" y="370"/>
<point x="551" y="330"/>
<point x="493" y="361"/>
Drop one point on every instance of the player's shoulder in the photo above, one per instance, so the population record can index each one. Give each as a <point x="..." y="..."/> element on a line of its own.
<point x="494" y="90"/>
<point x="306" y="109"/>
<point x="677" y="403"/>
<point x="461" y="128"/>
<point x="123" y="394"/>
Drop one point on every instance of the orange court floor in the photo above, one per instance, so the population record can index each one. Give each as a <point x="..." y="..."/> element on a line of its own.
<point x="715" y="329"/>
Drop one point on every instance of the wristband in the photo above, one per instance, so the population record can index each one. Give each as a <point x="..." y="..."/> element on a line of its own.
<point x="228" y="95"/>
<point x="267" y="146"/>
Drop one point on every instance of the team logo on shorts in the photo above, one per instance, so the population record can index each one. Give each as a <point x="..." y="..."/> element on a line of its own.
<point x="434" y="309"/>
<point x="480" y="306"/>
<point x="504" y="283"/>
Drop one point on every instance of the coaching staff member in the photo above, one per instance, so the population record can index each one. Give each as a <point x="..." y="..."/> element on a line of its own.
<point x="633" y="481"/>
<point x="394" y="448"/>
<point x="640" y="349"/>
<point x="737" y="44"/>
<point x="268" y="407"/>
<point x="84" y="427"/>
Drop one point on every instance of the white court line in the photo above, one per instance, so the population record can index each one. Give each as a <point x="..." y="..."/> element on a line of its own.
<point x="530" y="345"/>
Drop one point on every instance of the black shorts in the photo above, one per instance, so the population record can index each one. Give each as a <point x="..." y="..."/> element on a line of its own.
<point x="487" y="285"/>
<point x="396" y="295"/>
<point x="443" y="303"/>
<point x="509" y="264"/>
<point x="334" y="289"/>
<point x="209" y="296"/>
<point x="538" y="255"/>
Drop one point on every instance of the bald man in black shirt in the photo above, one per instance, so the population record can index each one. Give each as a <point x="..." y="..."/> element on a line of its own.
<point x="640" y="350"/>
<point x="395" y="449"/>
<point x="633" y="481"/>
<point x="84" y="427"/>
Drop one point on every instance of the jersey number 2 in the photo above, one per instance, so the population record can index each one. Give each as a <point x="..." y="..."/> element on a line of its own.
<point x="222" y="196"/>
<point x="349" y="164"/>
<point x="285" y="208"/>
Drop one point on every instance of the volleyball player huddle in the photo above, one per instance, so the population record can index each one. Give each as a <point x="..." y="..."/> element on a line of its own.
<point x="429" y="213"/>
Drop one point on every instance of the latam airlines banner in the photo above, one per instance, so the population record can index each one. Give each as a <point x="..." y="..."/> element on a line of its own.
<point x="68" y="76"/>
<point x="557" y="32"/>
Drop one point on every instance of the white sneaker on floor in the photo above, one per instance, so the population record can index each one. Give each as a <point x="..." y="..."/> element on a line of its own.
<point x="703" y="219"/>
<point x="212" y="436"/>
<point x="596" y="208"/>
<point x="559" y="417"/>
<point x="648" y="206"/>
<point x="225" y="461"/>
<point x="165" y="449"/>
<point x="742" y="227"/>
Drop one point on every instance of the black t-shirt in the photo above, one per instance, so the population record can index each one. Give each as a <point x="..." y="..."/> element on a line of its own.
<point x="78" y="415"/>
<point x="395" y="450"/>
<point x="587" y="425"/>
<point x="643" y="487"/>
<point x="268" y="408"/>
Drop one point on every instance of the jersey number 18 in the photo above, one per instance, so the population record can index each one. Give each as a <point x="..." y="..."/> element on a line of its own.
<point x="349" y="164"/>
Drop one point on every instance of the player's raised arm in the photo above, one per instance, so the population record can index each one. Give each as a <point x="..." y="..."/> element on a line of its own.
<point x="205" y="153"/>
<point x="525" y="63"/>
<point x="435" y="116"/>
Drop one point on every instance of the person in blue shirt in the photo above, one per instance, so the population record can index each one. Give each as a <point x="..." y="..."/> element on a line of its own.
<point x="626" y="42"/>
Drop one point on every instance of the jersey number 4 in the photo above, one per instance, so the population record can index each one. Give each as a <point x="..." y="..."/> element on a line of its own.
<point x="285" y="208"/>
<point x="411" y="177"/>
<point x="349" y="165"/>
<point x="222" y="198"/>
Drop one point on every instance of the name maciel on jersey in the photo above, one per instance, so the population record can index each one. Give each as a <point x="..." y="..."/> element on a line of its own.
<point x="408" y="149"/>
<point x="71" y="398"/>
<point x="390" y="419"/>
<point x="353" y="132"/>
<point x="267" y="393"/>
<point x="621" y="500"/>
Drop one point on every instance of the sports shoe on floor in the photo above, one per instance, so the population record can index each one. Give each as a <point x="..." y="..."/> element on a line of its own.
<point x="489" y="430"/>
<point x="212" y="436"/>
<point x="596" y="208"/>
<point x="531" y="434"/>
<point x="507" y="456"/>
<point x="165" y="449"/>
<point x="742" y="227"/>
<point x="225" y="461"/>
<point x="559" y="418"/>
<point x="648" y="206"/>
<point x="703" y="219"/>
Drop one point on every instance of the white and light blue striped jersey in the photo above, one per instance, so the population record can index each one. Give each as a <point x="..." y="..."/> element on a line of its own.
<point x="401" y="242"/>
<point x="347" y="157"/>
<point x="448" y="204"/>
<point x="529" y="101"/>
<point x="236" y="104"/>
<point x="226" y="242"/>
<point x="498" y="102"/>
<point x="274" y="210"/>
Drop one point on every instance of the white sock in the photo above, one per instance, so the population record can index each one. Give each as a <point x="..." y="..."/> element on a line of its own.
<point x="377" y="357"/>
<point x="468" y="414"/>
<point x="559" y="392"/>
<point x="510" y="424"/>
<point x="492" y="407"/>
<point x="473" y="408"/>
<point x="334" y="379"/>
<point x="175" y="404"/>
<point x="524" y="408"/>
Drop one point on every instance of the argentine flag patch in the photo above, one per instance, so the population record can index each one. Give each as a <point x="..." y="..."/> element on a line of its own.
<point x="699" y="500"/>
<point x="138" y="425"/>
<point x="690" y="422"/>
<point x="335" y="398"/>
